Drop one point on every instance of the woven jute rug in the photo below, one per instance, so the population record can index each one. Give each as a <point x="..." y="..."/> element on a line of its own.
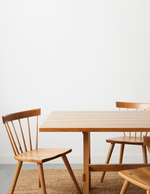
<point x="60" y="182"/>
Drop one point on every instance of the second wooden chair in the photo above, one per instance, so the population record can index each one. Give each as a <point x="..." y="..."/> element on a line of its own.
<point x="127" y="139"/>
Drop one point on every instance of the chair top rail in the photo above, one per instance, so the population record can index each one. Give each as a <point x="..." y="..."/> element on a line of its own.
<point x="21" y="115"/>
<point x="133" y="105"/>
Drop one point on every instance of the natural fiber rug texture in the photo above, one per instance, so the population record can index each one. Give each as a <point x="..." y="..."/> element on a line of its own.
<point x="60" y="182"/>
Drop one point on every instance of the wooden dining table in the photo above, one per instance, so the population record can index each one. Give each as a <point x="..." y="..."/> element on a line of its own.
<point x="97" y="121"/>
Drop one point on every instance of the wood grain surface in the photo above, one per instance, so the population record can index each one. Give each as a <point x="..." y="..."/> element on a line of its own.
<point x="96" y="121"/>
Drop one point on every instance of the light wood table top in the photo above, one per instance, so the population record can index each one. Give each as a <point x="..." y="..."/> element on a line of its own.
<point x="96" y="121"/>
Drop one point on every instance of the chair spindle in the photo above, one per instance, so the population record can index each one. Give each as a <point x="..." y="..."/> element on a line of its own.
<point x="29" y="133"/>
<point x="12" y="139"/>
<point x="17" y="137"/>
<point x="146" y="133"/>
<point x="135" y="132"/>
<point x="37" y="132"/>
<point x="25" y="147"/>
<point x="123" y="132"/>
<point x="129" y="134"/>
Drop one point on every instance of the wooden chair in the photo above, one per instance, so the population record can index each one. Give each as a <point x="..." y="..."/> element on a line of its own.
<point x="132" y="140"/>
<point x="36" y="155"/>
<point x="139" y="176"/>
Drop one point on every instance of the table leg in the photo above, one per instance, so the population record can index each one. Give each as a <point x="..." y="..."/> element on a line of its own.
<point x="85" y="163"/>
<point x="89" y="160"/>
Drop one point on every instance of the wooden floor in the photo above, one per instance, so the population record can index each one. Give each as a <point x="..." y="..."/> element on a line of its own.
<point x="7" y="172"/>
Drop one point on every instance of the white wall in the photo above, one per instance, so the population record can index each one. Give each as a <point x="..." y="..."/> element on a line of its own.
<point x="72" y="55"/>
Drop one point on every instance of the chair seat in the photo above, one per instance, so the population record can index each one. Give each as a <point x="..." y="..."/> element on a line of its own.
<point x="126" y="140"/>
<point x="42" y="155"/>
<point x="139" y="176"/>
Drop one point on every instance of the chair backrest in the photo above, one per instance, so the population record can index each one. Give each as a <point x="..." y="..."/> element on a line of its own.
<point x="13" y="133"/>
<point x="132" y="105"/>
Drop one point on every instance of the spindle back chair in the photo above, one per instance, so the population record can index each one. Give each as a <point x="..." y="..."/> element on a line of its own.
<point x="36" y="155"/>
<point x="127" y="139"/>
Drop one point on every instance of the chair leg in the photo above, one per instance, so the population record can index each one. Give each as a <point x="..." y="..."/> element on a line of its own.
<point x="148" y="192"/>
<point x="144" y="154"/>
<point x="40" y="170"/>
<point x="125" y="187"/>
<point x="71" y="172"/>
<point x="18" y="168"/>
<point x="39" y="182"/>
<point x="111" y="147"/>
<point x="121" y="153"/>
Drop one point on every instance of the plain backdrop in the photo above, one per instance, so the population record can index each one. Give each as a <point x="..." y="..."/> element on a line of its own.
<point x="73" y="55"/>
